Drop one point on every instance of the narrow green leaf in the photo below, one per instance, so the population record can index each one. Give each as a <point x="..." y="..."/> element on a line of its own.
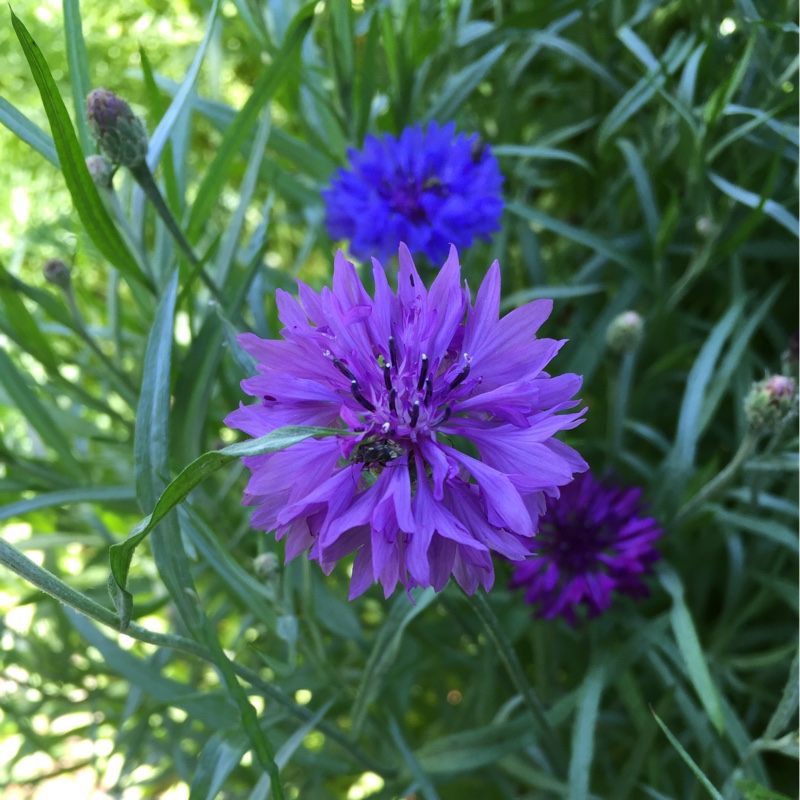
<point x="590" y="240"/>
<point x="472" y="749"/>
<point x="580" y="764"/>
<point x="28" y="403"/>
<point x="267" y="84"/>
<point x="540" y="153"/>
<point x="689" y="645"/>
<point x="88" y="203"/>
<point x="27" y="333"/>
<point x="459" y="87"/>
<point x="697" y="382"/>
<point x="776" y="211"/>
<point x="550" y="293"/>
<point x="787" y="707"/>
<point x="688" y="760"/>
<point x="230" y="239"/>
<point x="212" y="708"/>
<point x="196" y="472"/>
<point x="89" y="494"/>
<point x="384" y="652"/>
<point x="28" y="131"/>
<point x="78" y="61"/>
<point x="725" y="91"/>
<point x="221" y="755"/>
<point x="644" y="189"/>
<point x="424" y="783"/>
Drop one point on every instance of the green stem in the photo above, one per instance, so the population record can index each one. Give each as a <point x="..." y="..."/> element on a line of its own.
<point x="146" y="181"/>
<point x="48" y="583"/>
<point x="546" y="734"/>
<point x="619" y="392"/>
<point x="715" y="485"/>
<point x="139" y="253"/>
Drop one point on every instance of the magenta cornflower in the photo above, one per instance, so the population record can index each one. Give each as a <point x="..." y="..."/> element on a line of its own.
<point x="593" y="540"/>
<point x="428" y="188"/>
<point x="406" y="375"/>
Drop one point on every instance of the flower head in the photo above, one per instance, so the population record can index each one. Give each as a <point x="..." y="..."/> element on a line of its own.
<point x="593" y="540"/>
<point x="402" y="374"/>
<point x="428" y="188"/>
<point x="120" y="134"/>
<point x="770" y="402"/>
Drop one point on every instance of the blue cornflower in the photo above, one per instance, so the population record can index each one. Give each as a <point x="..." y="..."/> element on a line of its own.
<point x="429" y="189"/>
<point x="593" y="540"/>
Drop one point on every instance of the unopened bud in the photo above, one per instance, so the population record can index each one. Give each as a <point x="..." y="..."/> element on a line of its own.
<point x="102" y="172"/>
<point x="57" y="272"/>
<point x="120" y="134"/>
<point x="625" y="332"/>
<point x="266" y="565"/>
<point x="704" y="226"/>
<point x="770" y="402"/>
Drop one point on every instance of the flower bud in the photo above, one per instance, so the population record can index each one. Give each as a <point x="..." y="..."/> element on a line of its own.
<point x="120" y="134"/>
<point x="102" y="172"/>
<point x="57" y="272"/>
<point x="704" y="226"/>
<point x="266" y="565"/>
<point x="770" y="402"/>
<point x="625" y="332"/>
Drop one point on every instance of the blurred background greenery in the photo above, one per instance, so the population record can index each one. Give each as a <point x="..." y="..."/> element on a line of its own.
<point x="650" y="153"/>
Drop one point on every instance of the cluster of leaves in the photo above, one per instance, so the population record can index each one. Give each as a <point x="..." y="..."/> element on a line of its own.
<point x="650" y="152"/>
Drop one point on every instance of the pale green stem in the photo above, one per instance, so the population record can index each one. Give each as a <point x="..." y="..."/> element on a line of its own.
<point x="546" y="735"/>
<point x="716" y="484"/>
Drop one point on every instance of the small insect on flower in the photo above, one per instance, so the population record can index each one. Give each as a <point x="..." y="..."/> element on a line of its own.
<point x="377" y="451"/>
<point x="406" y="375"/>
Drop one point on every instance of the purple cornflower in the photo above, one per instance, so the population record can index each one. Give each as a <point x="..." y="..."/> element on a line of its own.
<point x="593" y="540"/>
<point x="428" y="188"/>
<point x="402" y="374"/>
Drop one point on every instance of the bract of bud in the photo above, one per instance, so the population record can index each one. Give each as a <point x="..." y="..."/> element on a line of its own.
<point x="57" y="272"/>
<point x="625" y="332"/>
<point x="770" y="402"/>
<point x="120" y="134"/>
<point x="102" y="172"/>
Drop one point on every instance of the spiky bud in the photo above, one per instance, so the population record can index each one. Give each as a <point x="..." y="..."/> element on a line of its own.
<point x="55" y="271"/>
<point x="120" y="134"/>
<point x="770" y="402"/>
<point x="102" y="172"/>
<point x="625" y="332"/>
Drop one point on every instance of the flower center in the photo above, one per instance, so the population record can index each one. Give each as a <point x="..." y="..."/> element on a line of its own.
<point x="410" y="399"/>
<point x="405" y="195"/>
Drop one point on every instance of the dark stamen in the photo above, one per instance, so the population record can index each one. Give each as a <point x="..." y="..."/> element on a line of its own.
<point x="411" y="278"/>
<point x="343" y="369"/>
<point x="423" y="372"/>
<point x="360" y="397"/>
<point x="428" y="391"/>
<point x="446" y="416"/>
<point x="460" y="378"/>
<point x="392" y="352"/>
<point x="387" y="376"/>
<point x="269" y="398"/>
<point x="414" y="413"/>
<point x="392" y="400"/>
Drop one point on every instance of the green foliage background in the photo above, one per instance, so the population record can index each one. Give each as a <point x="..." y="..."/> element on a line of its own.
<point x="650" y="154"/>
